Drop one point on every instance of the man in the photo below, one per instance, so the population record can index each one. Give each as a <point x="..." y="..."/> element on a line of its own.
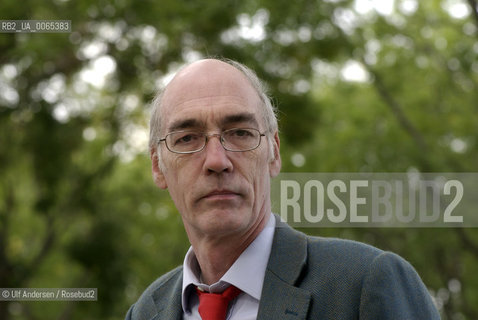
<point x="214" y="145"/>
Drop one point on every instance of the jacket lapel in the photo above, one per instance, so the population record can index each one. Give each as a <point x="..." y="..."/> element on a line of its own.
<point x="280" y="298"/>
<point x="167" y="299"/>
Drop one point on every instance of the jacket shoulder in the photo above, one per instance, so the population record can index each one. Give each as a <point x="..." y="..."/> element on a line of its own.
<point x="341" y="252"/>
<point x="373" y="283"/>
<point x="357" y="257"/>
<point x="147" y="304"/>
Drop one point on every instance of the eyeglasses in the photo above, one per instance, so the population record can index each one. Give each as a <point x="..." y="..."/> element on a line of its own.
<point x="236" y="140"/>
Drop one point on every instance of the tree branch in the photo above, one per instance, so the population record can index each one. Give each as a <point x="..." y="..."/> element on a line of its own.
<point x="45" y="249"/>
<point x="397" y="110"/>
<point x="467" y="242"/>
<point x="5" y="267"/>
<point x="474" y="9"/>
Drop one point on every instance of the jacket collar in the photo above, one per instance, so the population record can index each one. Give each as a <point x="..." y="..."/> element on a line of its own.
<point x="280" y="298"/>
<point x="167" y="299"/>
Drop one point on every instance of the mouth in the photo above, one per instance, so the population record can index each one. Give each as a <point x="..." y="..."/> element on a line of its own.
<point x="223" y="194"/>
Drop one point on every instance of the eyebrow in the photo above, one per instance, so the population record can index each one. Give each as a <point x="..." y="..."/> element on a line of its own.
<point x="243" y="117"/>
<point x="184" y="124"/>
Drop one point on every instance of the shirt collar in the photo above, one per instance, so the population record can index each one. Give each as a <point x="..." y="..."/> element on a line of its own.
<point x="246" y="273"/>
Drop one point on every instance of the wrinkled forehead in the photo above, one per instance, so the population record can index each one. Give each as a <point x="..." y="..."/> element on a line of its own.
<point x="209" y="89"/>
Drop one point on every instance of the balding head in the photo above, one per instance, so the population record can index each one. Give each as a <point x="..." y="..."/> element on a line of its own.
<point x="202" y="78"/>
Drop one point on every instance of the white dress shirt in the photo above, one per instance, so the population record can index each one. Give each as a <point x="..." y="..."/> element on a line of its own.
<point x="247" y="273"/>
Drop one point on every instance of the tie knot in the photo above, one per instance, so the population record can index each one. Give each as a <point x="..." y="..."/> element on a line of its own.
<point x="230" y="293"/>
<point x="213" y="306"/>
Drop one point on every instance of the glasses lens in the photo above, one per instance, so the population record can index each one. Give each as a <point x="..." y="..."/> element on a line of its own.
<point x="185" y="141"/>
<point x="241" y="139"/>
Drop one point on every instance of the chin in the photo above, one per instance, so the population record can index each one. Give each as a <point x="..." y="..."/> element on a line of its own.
<point x="224" y="219"/>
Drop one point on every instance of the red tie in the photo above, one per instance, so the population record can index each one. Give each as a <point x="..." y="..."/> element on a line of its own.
<point x="213" y="306"/>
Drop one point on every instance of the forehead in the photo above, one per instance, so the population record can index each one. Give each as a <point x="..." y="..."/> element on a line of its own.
<point x="209" y="92"/>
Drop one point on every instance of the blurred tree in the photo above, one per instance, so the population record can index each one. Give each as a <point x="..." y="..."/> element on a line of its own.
<point x="359" y="88"/>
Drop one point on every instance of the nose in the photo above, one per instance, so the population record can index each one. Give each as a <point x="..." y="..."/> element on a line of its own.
<point x="217" y="159"/>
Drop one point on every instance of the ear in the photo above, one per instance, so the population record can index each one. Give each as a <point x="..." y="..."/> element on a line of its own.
<point x="158" y="175"/>
<point x="276" y="162"/>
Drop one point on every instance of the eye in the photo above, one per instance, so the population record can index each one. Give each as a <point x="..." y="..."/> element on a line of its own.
<point x="186" y="138"/>
<point x="241" y="133"/>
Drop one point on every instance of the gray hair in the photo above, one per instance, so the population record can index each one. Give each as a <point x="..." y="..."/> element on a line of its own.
<point x="268" y="110"/>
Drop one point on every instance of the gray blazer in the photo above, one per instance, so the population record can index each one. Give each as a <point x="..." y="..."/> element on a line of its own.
<point x="315" y="278"/>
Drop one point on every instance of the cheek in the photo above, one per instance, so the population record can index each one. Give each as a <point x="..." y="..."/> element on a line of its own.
<point x="258" y="175"/>
<point x="178" y="166"/>
<point x="180" y="178"/>
<point x="180" y="192"/>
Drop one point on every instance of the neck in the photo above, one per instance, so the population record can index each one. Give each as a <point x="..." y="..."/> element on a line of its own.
<point x="216" y="255"/>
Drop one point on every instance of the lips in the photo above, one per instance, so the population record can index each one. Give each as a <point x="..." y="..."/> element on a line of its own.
<point x="222" y="194"/>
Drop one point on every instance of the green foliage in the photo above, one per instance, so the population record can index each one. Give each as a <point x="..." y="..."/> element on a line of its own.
<point x="78" y="207"/>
